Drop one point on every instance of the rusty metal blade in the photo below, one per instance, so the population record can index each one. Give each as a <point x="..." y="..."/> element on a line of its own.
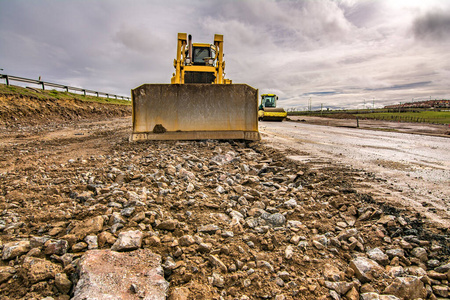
<point x="179" y="111"/>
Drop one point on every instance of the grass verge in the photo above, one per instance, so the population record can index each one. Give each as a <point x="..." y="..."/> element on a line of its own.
<point x="13" y="90"/>
<point x="434" y="117"/>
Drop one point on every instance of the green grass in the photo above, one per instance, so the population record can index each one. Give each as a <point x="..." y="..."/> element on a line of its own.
<point x="54" y="94"/>
<point x="424" y="116"/>
<point x="435" y="117"/>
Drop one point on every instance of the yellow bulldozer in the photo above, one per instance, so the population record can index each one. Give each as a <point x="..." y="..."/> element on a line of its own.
<point x="268" y="110"/>
<point x="199" y="103"/>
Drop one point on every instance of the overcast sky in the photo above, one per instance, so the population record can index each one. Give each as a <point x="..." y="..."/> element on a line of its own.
<point x="339" y="53"/>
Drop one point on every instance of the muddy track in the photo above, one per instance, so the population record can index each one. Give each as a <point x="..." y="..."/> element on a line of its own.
<point x="231" y="220"/>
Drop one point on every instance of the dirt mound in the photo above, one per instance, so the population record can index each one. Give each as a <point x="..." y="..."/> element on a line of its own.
<point x="18" y="109"/>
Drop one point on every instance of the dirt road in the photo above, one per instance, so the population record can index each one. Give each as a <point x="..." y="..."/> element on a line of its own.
<point x="413" y="169"/>
<point x="230" y="220"/>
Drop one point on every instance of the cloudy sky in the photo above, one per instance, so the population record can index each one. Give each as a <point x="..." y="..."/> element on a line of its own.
<point x="339" y="53"/>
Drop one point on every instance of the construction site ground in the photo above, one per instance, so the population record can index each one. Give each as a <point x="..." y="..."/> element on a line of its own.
<point x="410" y="162"/>
<point x="248" y="222"/>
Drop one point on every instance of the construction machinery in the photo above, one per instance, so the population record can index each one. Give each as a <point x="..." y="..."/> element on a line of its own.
<point x="199" y="103"/>
<point x="268" y="110"/>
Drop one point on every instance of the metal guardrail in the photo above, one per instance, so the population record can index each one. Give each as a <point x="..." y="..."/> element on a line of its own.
<point x="10" y="78"/>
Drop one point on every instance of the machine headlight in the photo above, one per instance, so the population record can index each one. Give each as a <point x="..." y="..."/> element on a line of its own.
<point x="210" y="61"/>
<point x="187" y="61"/>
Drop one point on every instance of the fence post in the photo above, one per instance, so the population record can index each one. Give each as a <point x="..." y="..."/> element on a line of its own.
<point x="97" y="94"/>
<point x="7" y="79"/>
<point x="43" y="87"/>
<point x="84" y="92"/>
<point x="67" y="89"/>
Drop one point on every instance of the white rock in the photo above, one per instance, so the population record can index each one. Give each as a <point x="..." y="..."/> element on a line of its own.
<point x="105" y="274"/>
<point x="128" y="240"/>
<point x="366" y="269"/>
<point x="410" y="287"/>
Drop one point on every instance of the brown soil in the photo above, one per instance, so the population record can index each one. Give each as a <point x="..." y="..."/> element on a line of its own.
<point x="18" y="111"/>
<point x="50" y="147"/>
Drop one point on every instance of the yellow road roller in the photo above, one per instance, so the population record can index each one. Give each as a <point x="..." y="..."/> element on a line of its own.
<point x="199" y="103"/>
<point x="268" y="110"/>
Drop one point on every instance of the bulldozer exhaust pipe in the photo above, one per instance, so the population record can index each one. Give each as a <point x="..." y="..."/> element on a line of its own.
<point x="190" y="47"/>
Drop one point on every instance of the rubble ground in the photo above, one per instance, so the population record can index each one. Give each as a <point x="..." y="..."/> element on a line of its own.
<point x="230" y="219"/>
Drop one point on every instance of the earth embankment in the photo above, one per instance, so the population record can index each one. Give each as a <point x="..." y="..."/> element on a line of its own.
<point x="21" y="106"/>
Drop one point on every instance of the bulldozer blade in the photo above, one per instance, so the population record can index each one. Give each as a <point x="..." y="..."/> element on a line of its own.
<point x="194" y="112"/>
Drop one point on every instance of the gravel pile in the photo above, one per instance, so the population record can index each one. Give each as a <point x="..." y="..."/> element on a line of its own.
<point x="227" y="220"/>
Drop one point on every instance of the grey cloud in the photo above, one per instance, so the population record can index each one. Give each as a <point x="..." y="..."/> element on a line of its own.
<point x="321" y="93"/>
<point x="433" y="26"/>
<point x="406" y="86"/>
<point x="140" y="39"/>
<point x="362" y="13"/>
<point x="291" y="24"/>
<point x="336" y="52"/>
<point x="357" y="59"/>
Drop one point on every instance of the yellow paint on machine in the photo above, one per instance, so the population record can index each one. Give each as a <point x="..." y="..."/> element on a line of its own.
<point x="200" y="103"/>
<point x="269" y="114"/>
<point x="268" y="110"/>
